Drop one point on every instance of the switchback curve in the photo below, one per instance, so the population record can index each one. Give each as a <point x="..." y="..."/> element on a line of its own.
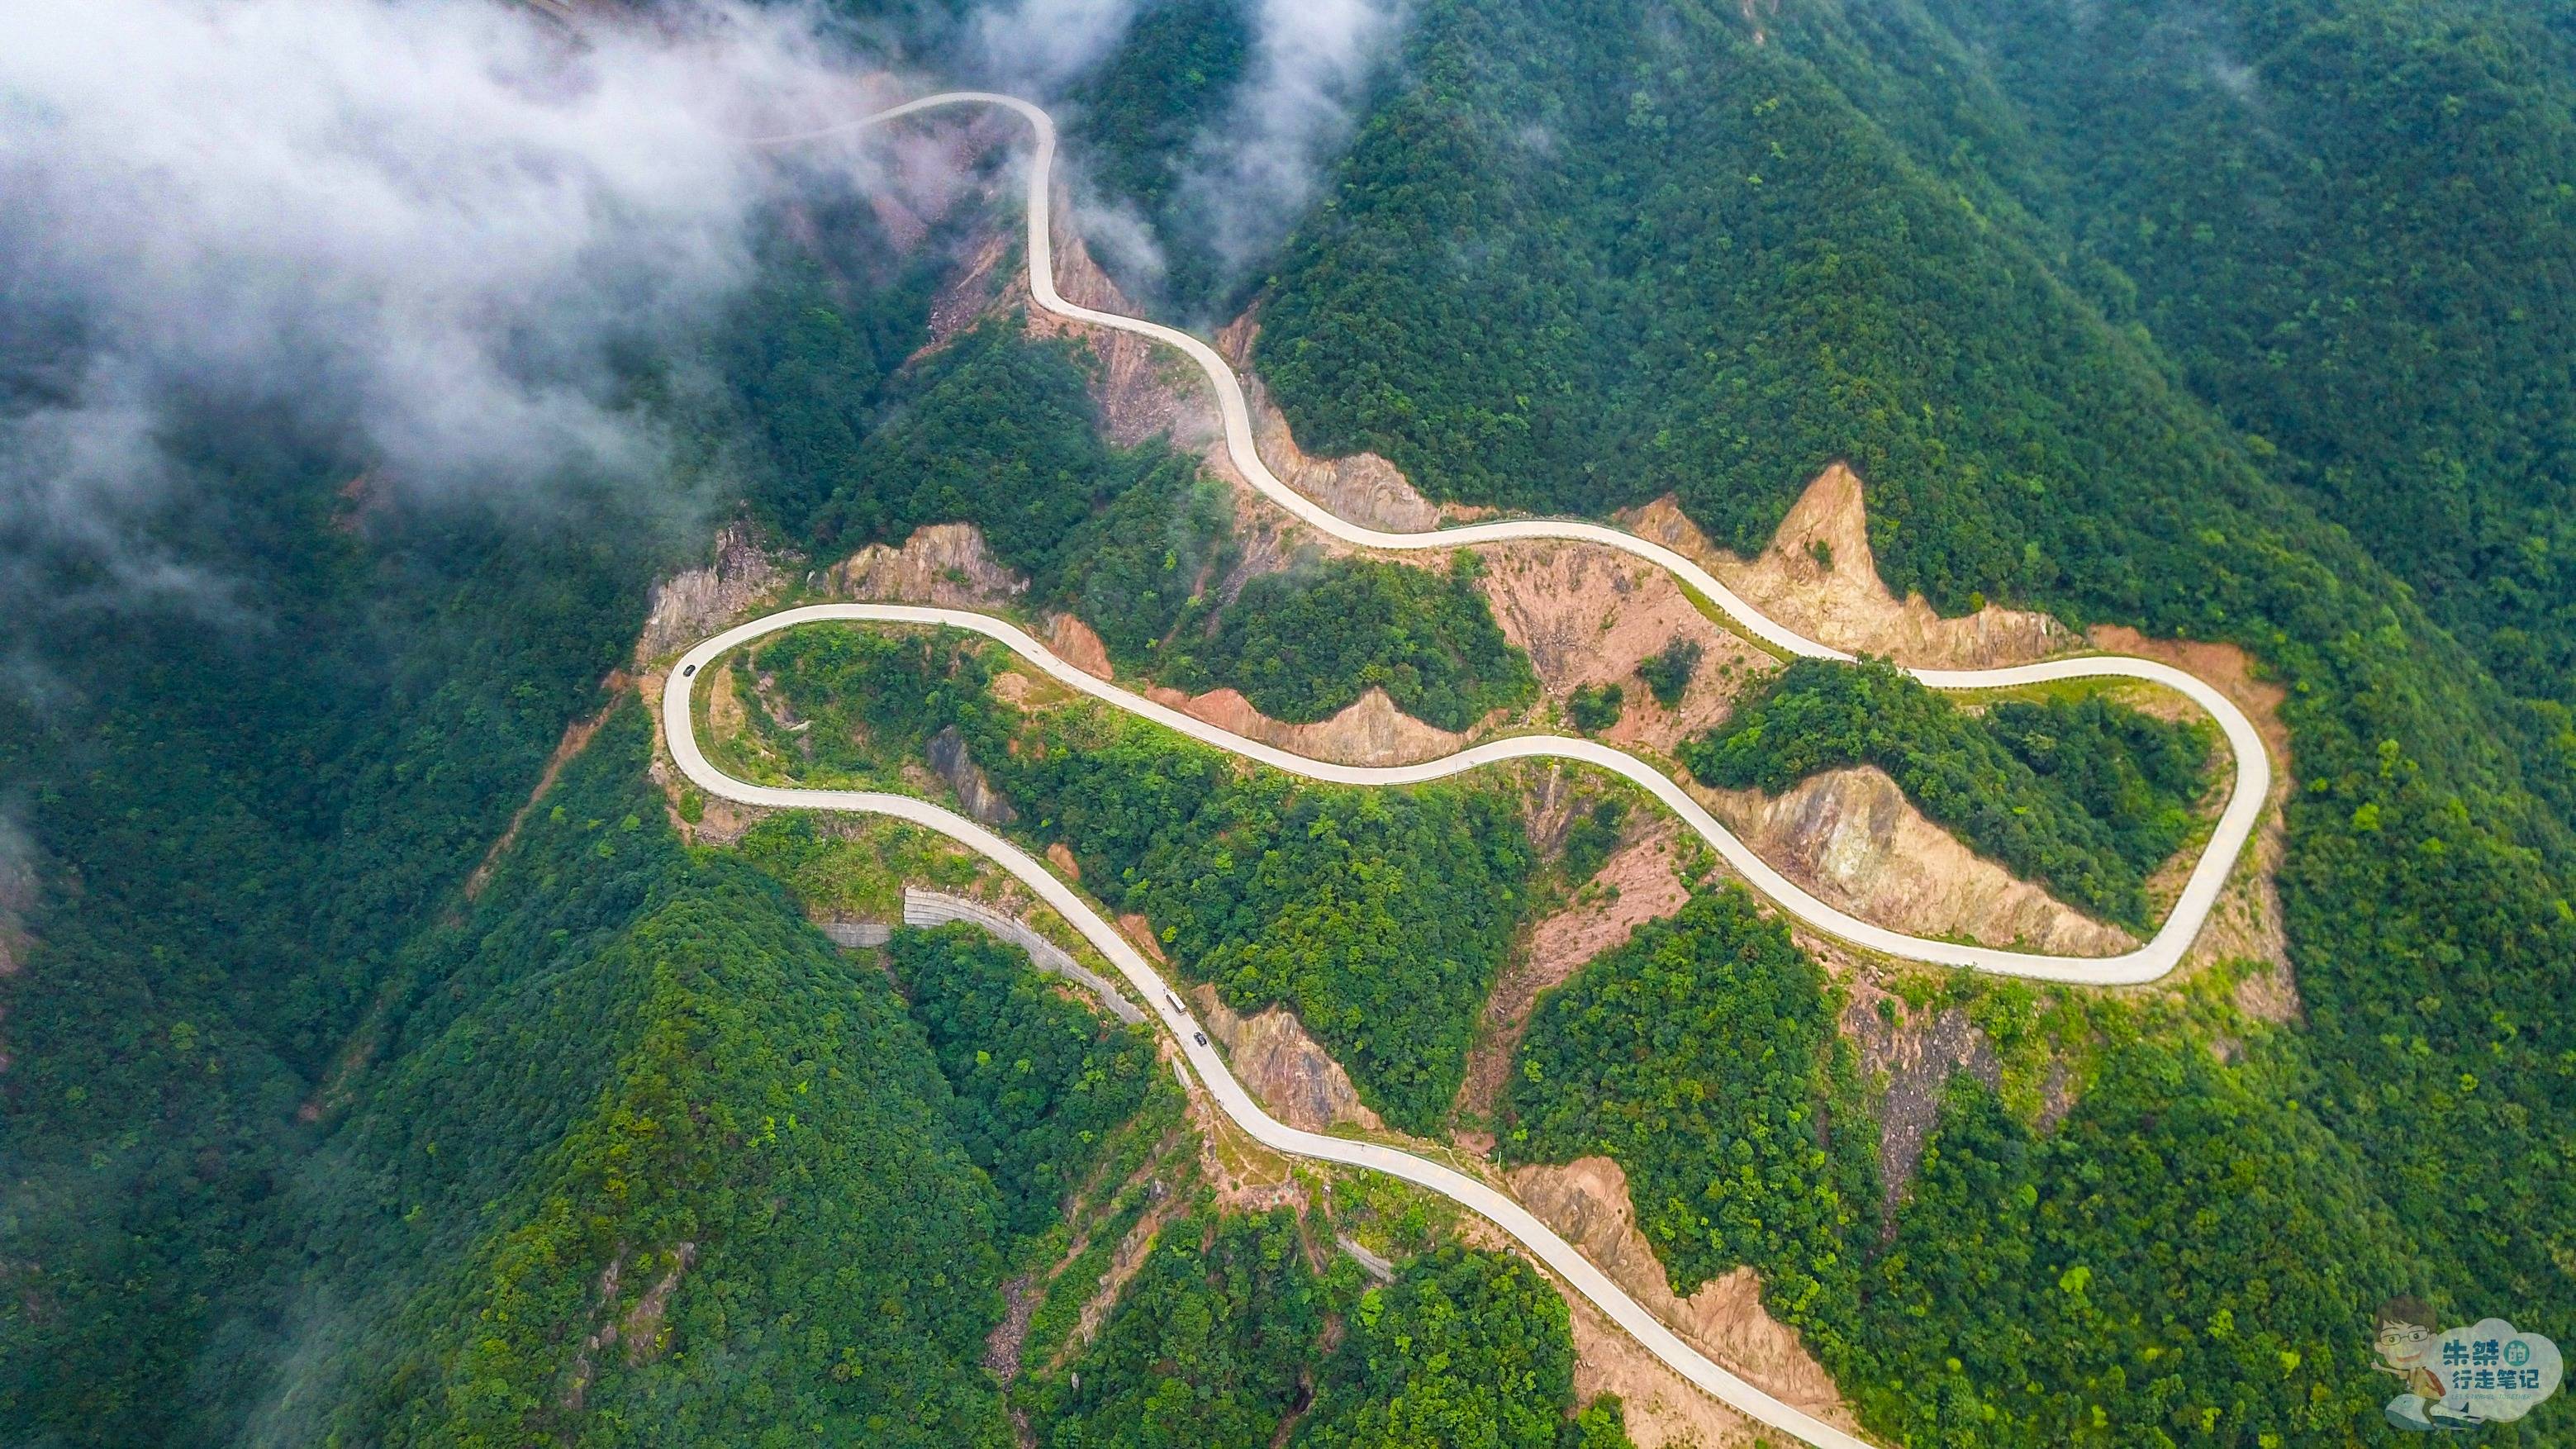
<point x="2160" y="954"/>
<point x="2251" y="784"/>
<point x="679" y="728"/>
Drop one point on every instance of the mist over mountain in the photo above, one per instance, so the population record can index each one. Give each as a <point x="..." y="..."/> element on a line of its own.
<point x="398" y="1047"/>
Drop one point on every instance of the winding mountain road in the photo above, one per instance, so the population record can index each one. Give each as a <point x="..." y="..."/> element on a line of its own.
<point x="2253" y="770"/>
<point x="2159" y="955"/>
<point x="679" y="727"/>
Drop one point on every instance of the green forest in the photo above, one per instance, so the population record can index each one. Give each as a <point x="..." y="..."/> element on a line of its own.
<point x="998" y="431"/>
<point x="349" y="1094"/>
<point x="710" y="1111"/>
<point x="1303" y="649"/>
<point x="2083" y="795"/>
<point x="2178" y="1261"/>
<point x="1135" y="133"/>
<point x="1038" y="1083"/>
<point x="233" y="833"/>
<point x="1210" y="1344"/>
<point x="1840" y="242"/>
<point x="1216" y="1344"/>
<point x="1702" y="1056"/>
<point x="1381" y="916"/>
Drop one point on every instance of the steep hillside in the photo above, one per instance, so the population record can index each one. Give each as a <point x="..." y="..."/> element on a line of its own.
<point x="1684" y="258"/>
<point x="387" y="1056"/>
<point x="636" y="1120"/>
<point x="2350" y="226"/>
<point x="236" y="802"/>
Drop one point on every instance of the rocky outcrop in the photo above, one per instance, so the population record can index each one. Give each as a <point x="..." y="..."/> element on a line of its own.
<point x="1060" y="856"/>
<point x="1589" y="616"/>
<point x="975" y="793"/>
<point x="687" y="607"/>
<point x="1074" y="642"/>
<point x="946" y="564"/>
<point x="1144" y="389"/>
<point x="982" y="284"/>
<point x="1851" y="837"/>
<point x="1587" y="1202"/>
<point x="1637" y="884"/>
<point x="1368" y="731"/>
<point x="1296" y="1080"/>
<point x="1663" y="1410"/>
<point x="1914" y="1053"/>
<point x="17" y="896"/>
<point x="1364" y="488"/>
<point x="1835" y="594"/>
<point x="1020" y="1299"/>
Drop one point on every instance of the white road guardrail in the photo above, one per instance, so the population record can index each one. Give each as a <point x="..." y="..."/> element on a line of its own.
<point x="2253" y="781"/>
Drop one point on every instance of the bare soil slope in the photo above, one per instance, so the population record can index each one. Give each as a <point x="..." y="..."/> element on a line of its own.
<point x="1838" y="597"/>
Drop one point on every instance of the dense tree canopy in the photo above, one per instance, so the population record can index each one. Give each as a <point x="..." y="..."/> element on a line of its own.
<point x="1038" y="1082"/>
<point x="1214" y="1344"/>
<point x="1381" y="916"/>
<point x="2231" y="321"/>
<point x="636" y="1091"/>
<point x="1303" y="648"/>
<point x="1208" y="1345"/>
<point x="1702" y="1056"/>
<point x="1463" y="1348"/>
<point x="2188" y="1258"/>
<point x="1578" y="261"/>
<point x="2081" y="795"/>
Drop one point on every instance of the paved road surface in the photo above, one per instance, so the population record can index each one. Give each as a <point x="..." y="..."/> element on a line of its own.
<point x="2159" y="955"/>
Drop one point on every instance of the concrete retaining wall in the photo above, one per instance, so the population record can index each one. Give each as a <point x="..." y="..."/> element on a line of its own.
<point x="930" y="908"/>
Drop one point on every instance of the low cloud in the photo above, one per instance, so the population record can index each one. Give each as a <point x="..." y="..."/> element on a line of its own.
<point x="1313" y="61"/>
<point x="425" y="228"/>
<point x="1037" y="47"/>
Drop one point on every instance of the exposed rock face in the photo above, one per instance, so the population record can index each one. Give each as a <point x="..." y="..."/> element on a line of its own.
<point x="1002" y="1345"/>
<point x="689" y="606"/>
<point x="926" y="170"/>
<point x="1144" y="389"/>
<point x="1124" y="1262"/>
<point x="1845" y="604"/>
<point x="642" y="1327"/>
<point x="946" y="564"/>
<point x="1369" y="731"/>
<point x="1363" y="487"/>
<point x="1076" y="644"/>
<point x="1918" y="1052"/>
<point x="1637" y="884"/>
<point x="976" y="288"/>
<point x="17" y="897"/>
<point x="1852" y="838"/>
<point x="1663" y="1410"/>
<point x="1141" y="931"/>
<point x="2269" y="994"/>
<point x="1587" y="1201"/>
<point x="1590" y="616"/>
<point x="947" y="751"/>
<point x="1283" y="1068"/>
